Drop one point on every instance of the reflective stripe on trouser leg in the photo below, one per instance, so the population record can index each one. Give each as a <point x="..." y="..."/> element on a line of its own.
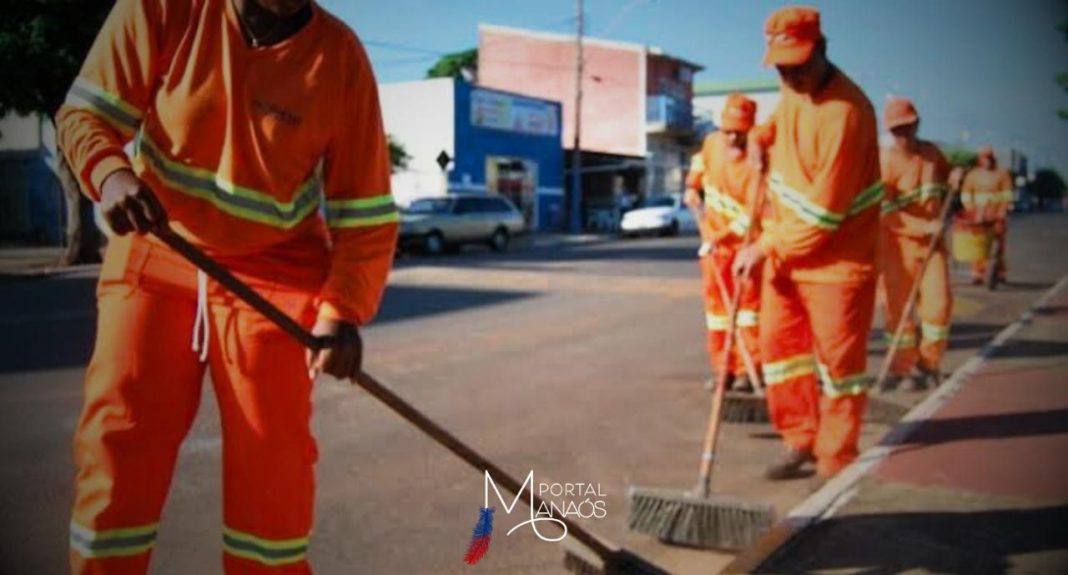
<point x="789" y="365"/>
<point x="841" y="316"/>
<point x="935" y="308"/>
<point x="269" y="454"/>
<point x="142" y="390"/>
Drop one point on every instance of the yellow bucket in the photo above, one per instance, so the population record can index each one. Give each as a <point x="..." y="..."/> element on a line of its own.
<point x="971" y="243"/>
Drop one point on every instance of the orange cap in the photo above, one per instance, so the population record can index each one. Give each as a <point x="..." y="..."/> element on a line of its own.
<point x="739" y="114"/>
<point x="792" y="33"/>
<point x="900" y="112"/>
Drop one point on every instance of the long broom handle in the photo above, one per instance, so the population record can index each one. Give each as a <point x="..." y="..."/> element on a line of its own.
<point x="708" y="453"/>
<point x="370" y="384"/>
<point x="747" y="358"/>
<point x="914" y="290"/>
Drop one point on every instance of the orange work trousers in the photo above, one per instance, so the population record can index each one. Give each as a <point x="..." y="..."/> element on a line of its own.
<point x="979" y="266"/>
<point x="900" y="259"/>
<point x="719" y="261"/>
<point x="812" y="333"/>
<point x="142" y="391"/>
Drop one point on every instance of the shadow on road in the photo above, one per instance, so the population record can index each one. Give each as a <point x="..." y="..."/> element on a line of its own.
<point x="408" y="302"/>
<point x="1001" y="426"/>
<point x="933" y="542"/>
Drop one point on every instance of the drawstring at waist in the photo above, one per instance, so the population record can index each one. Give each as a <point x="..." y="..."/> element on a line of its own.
<point x="201" y="326"/>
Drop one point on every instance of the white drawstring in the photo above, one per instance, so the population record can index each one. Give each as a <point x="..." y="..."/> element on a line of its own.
<point x="201" y="327"/>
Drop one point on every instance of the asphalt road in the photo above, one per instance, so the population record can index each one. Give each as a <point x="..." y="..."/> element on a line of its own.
<point x="582" y="363"/>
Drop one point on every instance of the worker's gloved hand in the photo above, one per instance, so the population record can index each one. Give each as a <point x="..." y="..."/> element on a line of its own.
<point x="932" y="227"/>
<point x="747" y="260"/>
<point x="344" y="359"/>
<point x="128" y="205"/>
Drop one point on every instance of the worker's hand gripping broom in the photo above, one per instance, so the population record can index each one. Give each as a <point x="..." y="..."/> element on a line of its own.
<point x="914" y="292"/>
<point x="738" y="407"/>
<point x="696" y="518"/>
<point x="610" y="559"/>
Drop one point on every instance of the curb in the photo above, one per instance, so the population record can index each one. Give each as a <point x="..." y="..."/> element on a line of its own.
<point x="840" y="490"/>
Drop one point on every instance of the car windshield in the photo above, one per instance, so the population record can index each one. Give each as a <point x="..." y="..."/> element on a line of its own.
<point x="429" y="206"/>
<point x="658" y="202"/>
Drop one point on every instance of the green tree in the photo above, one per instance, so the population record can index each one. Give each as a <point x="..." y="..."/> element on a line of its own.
<point x="452" y="65"/>
<point x="1062" y="79"/>
<point x="1048" y="186"/>
<point x="960" y="157"/>
<point x="398" y="155"/>
<point x="42" y="45"/>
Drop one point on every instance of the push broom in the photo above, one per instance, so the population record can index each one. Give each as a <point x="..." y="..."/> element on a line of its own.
<point x="696" y="518"/>
<point x="608" y="558"/>
<point x="914" y="292"/>
<point x="739" y="407"/>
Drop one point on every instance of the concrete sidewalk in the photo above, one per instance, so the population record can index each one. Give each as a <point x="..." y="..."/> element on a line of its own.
<point x="973" y="480"/>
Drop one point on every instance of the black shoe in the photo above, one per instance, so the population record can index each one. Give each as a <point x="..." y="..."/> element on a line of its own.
<point x="742" y="384"/>
<point x="891" y="383"/>
<point x="914" y="383"/>
<point x="789" y="464"/>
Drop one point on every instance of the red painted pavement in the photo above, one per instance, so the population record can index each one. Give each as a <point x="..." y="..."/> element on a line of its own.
<point x="1006" y="431"/>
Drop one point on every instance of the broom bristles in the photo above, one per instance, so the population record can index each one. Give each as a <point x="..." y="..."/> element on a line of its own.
<point x="681" y="518"/>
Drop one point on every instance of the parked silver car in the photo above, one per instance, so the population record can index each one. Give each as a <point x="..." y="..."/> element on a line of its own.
<point x="436" y="225"/>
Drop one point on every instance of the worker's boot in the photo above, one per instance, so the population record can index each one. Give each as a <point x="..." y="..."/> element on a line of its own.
<point x="788" y="465"/>
<point x="892" y="382"/>
<point x="742" y="384"/>
<point x="931" y="377"/>
<point x="913" y="383"/>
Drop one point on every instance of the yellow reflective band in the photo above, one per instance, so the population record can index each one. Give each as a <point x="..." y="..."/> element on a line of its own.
<point x="86" y="95"/>
<point x="231" y="198"/>
<point x="271" y="552"/>
<point x="797" y="366"/>
<point x="361" y="212"/>
<point x="747" y="318"/>
<point x="871" y="196"/>
<point x="716" y="322"/>
<point x="928" y="191"/>
<point x="855" y="384"/>
<point x="112" y="542"/>
<point x="908" y="339"/>
<point x="802" y="206"/>
<point x="932" y="332"/>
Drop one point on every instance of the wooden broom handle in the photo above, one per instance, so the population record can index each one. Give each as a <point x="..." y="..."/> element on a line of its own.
<point x="369" y="383"/>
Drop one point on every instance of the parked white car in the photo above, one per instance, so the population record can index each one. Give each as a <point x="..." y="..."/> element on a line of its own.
<point x="660" y="215"/>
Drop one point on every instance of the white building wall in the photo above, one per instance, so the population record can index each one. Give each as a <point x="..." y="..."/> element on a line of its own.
<point x="421" y="117"/>
<point x="711" y="107"/>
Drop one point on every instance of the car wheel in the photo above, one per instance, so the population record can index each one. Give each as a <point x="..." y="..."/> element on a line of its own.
<point x="672" y="230"/>
<point x="434" y="243"/>
<point x="499" y="240"/>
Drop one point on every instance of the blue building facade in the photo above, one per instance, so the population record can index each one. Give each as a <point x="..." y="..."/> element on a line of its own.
<point x="509" y="144"/>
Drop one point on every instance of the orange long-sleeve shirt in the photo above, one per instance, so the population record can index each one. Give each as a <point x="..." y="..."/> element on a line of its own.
<point x="726" y="179"/>
<point x="273" y="159"/>
<point x="824" y="183"/>
<point x="987" y="193"/>
<point x="915" y="185"/>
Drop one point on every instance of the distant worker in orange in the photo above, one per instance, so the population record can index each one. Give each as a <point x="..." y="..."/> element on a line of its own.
<point x="987" y="196"/>
<point x="915" y="176"/>
<point x="258" y="138"/>
<point x="818" y="248"/>
<point x="721" y="175"/>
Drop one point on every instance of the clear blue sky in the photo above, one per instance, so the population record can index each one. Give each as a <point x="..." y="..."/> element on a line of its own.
<point x="985" y="67"/>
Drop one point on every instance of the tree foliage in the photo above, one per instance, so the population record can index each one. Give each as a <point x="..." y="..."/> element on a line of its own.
<point x="1048" y="185"/>
<point x="452" y="65"/>
<point x="398" y="155"/>
<point x="42" y="45"/>
<point x="960" y="157"/>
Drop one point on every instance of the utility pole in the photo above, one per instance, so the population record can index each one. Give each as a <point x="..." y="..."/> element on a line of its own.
<point x="576" y="151"/>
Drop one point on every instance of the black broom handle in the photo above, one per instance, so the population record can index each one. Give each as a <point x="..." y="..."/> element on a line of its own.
<point x="369" y="383"/>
